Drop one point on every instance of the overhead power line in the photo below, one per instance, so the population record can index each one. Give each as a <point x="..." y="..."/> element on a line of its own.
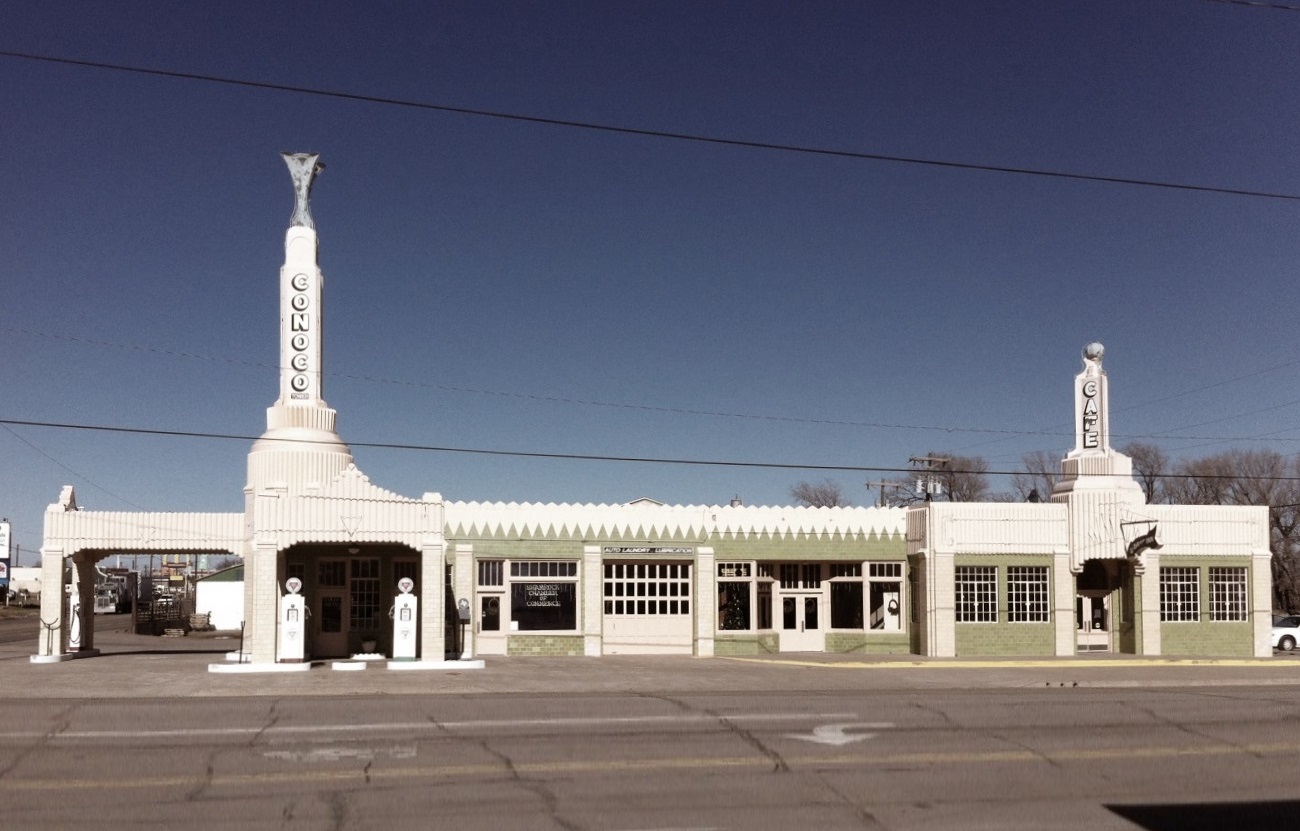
<point x="1259" y="5"/>
<point x="686" y="411"/>
<point x="648" y="133"/>
<point x="583" y="457"/>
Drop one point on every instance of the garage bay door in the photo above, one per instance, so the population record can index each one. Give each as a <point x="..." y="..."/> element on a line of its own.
<point x="647" y="608"/>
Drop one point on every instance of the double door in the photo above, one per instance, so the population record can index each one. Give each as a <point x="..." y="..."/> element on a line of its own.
<point x="1092" y="623"/>
<point x="803" y="624"/>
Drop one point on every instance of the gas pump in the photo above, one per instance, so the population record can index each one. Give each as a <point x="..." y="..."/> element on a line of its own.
<point x="405" y="619"/>
<point x="293" y="623"/>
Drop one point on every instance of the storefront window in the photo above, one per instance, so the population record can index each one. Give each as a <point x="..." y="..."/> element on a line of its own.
<point x="733" y="605"/>
<point x="543" y="595"/>
<point x="744" y="596"/>
<point x="846" y="605"/>
<point x="535" y="606"/>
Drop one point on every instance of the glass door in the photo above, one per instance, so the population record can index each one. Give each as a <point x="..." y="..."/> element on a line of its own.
<point x="1092" y="620"/>
<point x="802" y="625"/>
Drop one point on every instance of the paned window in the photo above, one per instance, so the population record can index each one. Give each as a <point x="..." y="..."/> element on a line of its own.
<point x="744" y="600"/>
<point x="363" y="590"/>
<point x="332" y="573"/>
<point x="647" y="588"/>
<point x="1180" y="593"/>
<point x="1027" y="592"/>
<point x="801" y="575"/>
<point x="1228" y="593"/>
<point x="406" y="568"/>
<point x="847" y="596"/>
<point x="885" y="570"/>
<point x="491" y="573"/>
<point x="544" y="568"/>
<point x="977" y="594"/>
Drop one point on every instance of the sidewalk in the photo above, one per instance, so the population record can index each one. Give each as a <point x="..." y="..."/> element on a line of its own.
<point x="133" y="666"/>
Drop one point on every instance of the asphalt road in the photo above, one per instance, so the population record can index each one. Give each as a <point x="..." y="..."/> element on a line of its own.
<point x="1059" y="757"/>
<point x="641" y="744"/>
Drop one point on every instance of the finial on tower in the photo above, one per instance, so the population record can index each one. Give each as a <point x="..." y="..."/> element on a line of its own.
<point x="1093" y="352"/>
<point x="303" y="167"/>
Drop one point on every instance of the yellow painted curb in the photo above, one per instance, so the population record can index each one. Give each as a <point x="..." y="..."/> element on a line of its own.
<point x="1040" y="663"/>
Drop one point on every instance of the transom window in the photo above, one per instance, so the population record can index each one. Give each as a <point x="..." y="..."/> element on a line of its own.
<point x="801" y="575"/>
<point x="1180" y="595"/>
<point x="977" y="594"/>
<point x="544" y="568"/>
<point x="887" y="570"/>
<point x="332" y="573"/>
<point x="491" y="573"/>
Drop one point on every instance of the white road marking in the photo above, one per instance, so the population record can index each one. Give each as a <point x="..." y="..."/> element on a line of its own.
<point x="837" y="734"/>
<point x="420" y="726"/>
<point x="334" y="754"/>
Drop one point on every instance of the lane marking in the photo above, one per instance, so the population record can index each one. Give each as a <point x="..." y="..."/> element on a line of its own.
<point x="335" y="754"/>
<point x="418" y="726"/>
<point x="617" y="766"/>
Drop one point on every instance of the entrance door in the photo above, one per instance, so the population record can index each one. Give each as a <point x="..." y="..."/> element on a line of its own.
<point x="490" y="636"/>
<point x="331" y="633"/>
<point x="802" y="625"/>
<point x="1092" y="619"/>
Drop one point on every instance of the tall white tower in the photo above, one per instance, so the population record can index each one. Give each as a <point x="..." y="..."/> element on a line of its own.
<point x="300" y="449"/>
<point x="1096" y="480"/>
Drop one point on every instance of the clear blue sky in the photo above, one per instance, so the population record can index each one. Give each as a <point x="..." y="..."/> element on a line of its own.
<point x="505" y="285"/>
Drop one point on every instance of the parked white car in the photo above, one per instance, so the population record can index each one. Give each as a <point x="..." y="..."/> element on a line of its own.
<point x="1286" y="632"/>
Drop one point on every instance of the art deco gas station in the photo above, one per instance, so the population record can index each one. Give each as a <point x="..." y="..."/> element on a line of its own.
<point x="340" y="571"/>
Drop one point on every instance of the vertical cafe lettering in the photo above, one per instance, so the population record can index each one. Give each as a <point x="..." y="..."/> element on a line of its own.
<point x="1091" y="435"/>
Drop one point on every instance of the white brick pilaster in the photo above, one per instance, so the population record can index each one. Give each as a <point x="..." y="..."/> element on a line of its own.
<point x="463" y="582"/>
<point x="942" y="614"/>
<point x="1064" y="595"/>
<point x="433" y="623"/>
<point x="1261" y="601"/>
<point x="261" y="603"/>
<point x="592" y="591"/>
<point x="1151" y="603"/>
<point x="706" y="600"/>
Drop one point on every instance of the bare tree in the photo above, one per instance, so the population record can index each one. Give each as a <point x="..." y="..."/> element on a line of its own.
<point x="1150" y="464"/>
<point x="1200" y="481"/>
<point x="965" y="478"/>
<point x="1039" y="473"/>
<point x="945" y="476"/>
<point x="823" y="494"/>
<point x="1251" y="477"/>
<point x="1284" y="540"/>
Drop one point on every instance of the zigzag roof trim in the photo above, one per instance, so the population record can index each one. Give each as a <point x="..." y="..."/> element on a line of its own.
<point x="644" y="520"/>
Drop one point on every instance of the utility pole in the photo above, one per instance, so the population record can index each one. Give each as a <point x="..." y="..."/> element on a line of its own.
<point x="929" y="478"/>
<point x="882" y="484"/>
